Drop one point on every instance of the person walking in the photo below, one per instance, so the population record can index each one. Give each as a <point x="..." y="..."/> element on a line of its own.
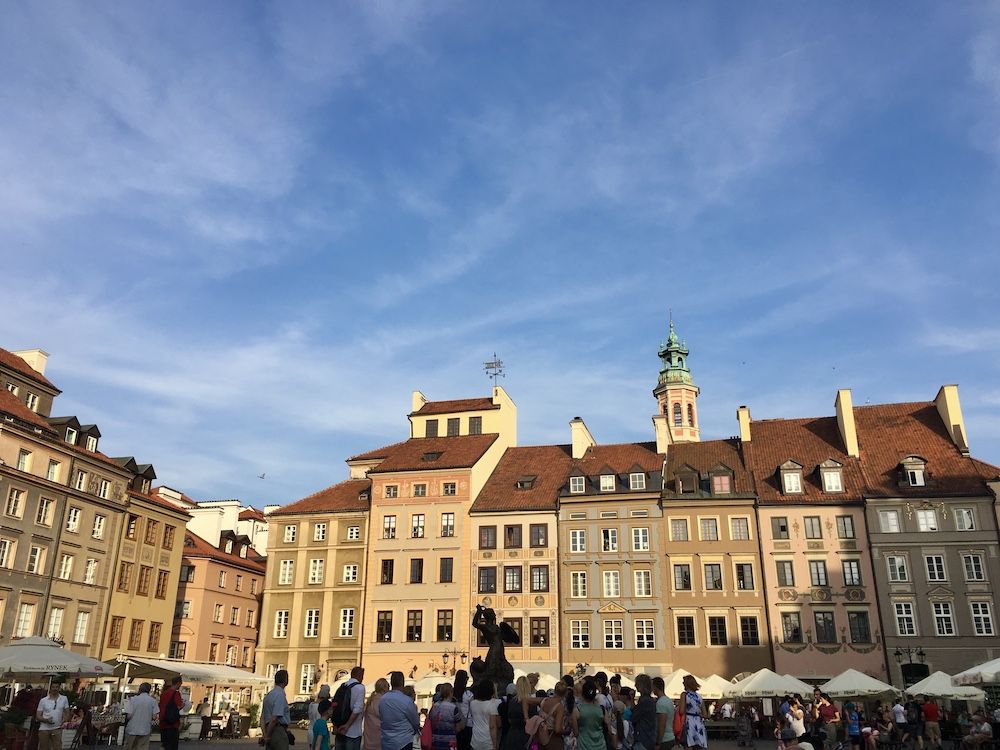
<point x="371" y="733"/>
<point x="171" y="705"/>
<point x="205" y="712"/>
<point x="50" y="718"/>
<point x="140" y="711"/>
<point x="274" y="718"/>
<point x="349" y="733"/>
<point x="485" y="714"/>
<point x="693" y="734"/>
<point x="932" y="727"/>
<point x="312" y="712"/>
<point x="446" y="720"/>
<point x="398" y="715"/>
<point x="665" y="739"/>
<point x="852" y="721"/>
<point x="590" y="720"/>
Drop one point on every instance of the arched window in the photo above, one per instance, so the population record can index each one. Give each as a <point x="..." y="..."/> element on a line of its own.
<point x="666" y="409"/>
<point x="690" y="415"/>
<point x="678" y="420"/>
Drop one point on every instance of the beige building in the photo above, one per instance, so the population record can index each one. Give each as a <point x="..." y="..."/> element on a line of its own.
<point x="314" y="591"/>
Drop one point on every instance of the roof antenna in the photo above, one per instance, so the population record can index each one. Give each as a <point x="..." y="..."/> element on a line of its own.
<point x="494" y="369"/>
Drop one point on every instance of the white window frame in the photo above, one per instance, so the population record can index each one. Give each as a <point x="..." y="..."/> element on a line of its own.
<point x="791" y="482"/>
<point x="8" y="548"/>
<point x="832" y="480"/>
<point x="54" y="628"/>
<point x="640" y="539"/>
<point x="687" y="530"/>
<point x="701" y="529"/>
<point x="643" y="583"/>
<point x="25" y="620"/>
<point x="645" y="634"/>
<point x="286" y="572"/>
<point x="577" y="485"/>
<point x="14" y="507"/>
<point x="915" y="477"/>
<point x="982" y="618"/>
<point x="97" y="532"/>
<point x="418" y="525"/>
<point x="81" y="481"/>
<point x="965" y="513"/>
<point x="81" y="627"/>
<point x="903" y="567"/>
<point x="977" y="561"/>
<point x="43" y="516"/>
<point x="90" y="571"/>
<point x="607" y="482"/>
<point x="577" y="540"/>
<point x="612" y="581"/>
<point x="904" y="612"/>
<point x="73" y="519"/>
<point x="353" y="533"/>
<point x="855" y="578"/>
<point x="24" y="460"/>
<point x="927" y="520"/>
<point x="71" y="435"/>
<point x="307" y="676"/>
<point x="65" y="572"/>
<point x="281" y="618"/>
<point x="579" y="633"/>
<point x="578" y="584"/>
<point x="310" y="628"/>
<point x="392" y="491"/>
<point x="614" y="634"/>
<point x="91" y="443"/>
<point x="609" y="540"/>
<point x="319" y="531"/>
<point x="36" y="556"/>
<point x="943" y="568"/>
<point x="944" y="619"/>
<point x="317" y="569"/>
<point x="732" y="529"/>
<point x="816" y="567"/>
<point x="347" y="618"/>
<point x="52" y="471"/>
<point x="351" y="573"/>
<point x="637" y="481"/>
<point x="291" y="533"/>
<point x="888" y="521"/>
<point x="31" y="401"/>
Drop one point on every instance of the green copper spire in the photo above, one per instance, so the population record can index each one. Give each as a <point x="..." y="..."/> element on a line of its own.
<point x="673" y="355"/>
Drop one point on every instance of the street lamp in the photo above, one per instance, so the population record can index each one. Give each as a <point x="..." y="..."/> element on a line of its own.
<point x="909" y="652"/>
<point x="457" y="654"/>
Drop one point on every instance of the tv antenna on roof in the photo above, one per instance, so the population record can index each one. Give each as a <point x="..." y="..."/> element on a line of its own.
<point x="494" y="368"/>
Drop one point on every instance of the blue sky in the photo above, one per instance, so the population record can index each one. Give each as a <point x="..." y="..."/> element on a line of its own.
<point x="246" y="231"/>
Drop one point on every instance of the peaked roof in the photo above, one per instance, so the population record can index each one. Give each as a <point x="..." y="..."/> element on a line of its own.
<point x="195" y="546"/>
<point x="382" y="452"/>
<point x="159" y="502"/>
<point x="458" y="405"/>
<point x="457" y="452"/>
<point x="251" y="514"/>
<point x="14" y="362"/>
<point x="11" y="405"/>
<point x="549" y="464"/>
<point x="620" y="457"/>
<point x="342" y="497"/>
<point x="888" y="433"/>
<point x="707" y="455"/>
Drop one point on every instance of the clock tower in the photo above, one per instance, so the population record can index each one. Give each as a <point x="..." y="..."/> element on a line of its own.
<point x="676" y="395"/>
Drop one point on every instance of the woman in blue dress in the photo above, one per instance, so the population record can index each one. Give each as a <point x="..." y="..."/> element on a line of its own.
<point x="694" y="735"/>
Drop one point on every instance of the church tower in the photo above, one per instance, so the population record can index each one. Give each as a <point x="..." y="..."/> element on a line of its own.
<point x="676" y="395"/>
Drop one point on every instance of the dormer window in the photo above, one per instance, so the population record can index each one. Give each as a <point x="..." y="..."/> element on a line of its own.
<point x="431" y="456"/>
<point x="607" y="482"/>
<point x="637" y="481"/>
<point x="791" y="478"/>
<point x="577" y="485"/>
<point x="243" y="550"/>
<point x="526" y="482"/>
<point x="71" y="436"/>
<point x="91" y="443"/>
<point x="914" y="468"/>
<point x="229" y="546"/>
<point x="832" y="475"/>
<point x="722" y="484"/>
<point x="687" y="482"/>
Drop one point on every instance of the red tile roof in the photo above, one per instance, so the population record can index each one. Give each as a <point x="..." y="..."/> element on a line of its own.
<point x="705" y="456"/>
<point x="986" y="471"/>
<point x="620" y="458"/>
<point x="195" y="546"/>
<point x="154" y="500"/>
<point x="458" y="452"/>
<point x="888" y="433"/>
<point x="809" y="442"/>
<point x="340" y="498"/>
<point x="14" y="362"/>
<point x="549" y="464"/>
<point x="251" y="514"/>
<point x="382" y="452"/>
<point x="458" y="405"/>
<point x="9" y="404"/>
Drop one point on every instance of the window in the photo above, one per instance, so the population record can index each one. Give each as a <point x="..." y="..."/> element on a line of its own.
<point x="722" y="484"/>
<point x="826" y="630"/>
<point x="487" y="580"/>
<point x="222" y="579"/>
<point x="251" y="621"/>
<point x="927" y="520"/>
<point x="44" y="515"/>
<point x="104" y="489"/>
<point x="579" y="634"/>
<point x="578" y="584"/>
<point x="792" y="482"/>
<point x="739" y="529"/>
<point x="73" y="520"/>
<point x="982" y="618"/>
<point x="420" y="490"/>
<point x="23" y="460"/>
<point x="607" y="482"/>
<point x="145" y="578"/>
<point x="353" y="533"/>
<point x="447" y="524"/>
<point x="643" y="580"/>
<point x="253" y="585"/>
<point x="392" y="490"/>
<point x="577" y="485"/>
<point x="431" y="428"/>
<point x="577" y="540"/>
<point x="888" y="521"/>
<point x="291" y="533"/>
<point x="817" y="573"/>
<point x="679" y="529"/>
<point x="974" y="570"/>
<point x="614" y="634"/>
<point x="852" y="573"/>
<point x="81" y="481"/>
<point x="717" y="635"/>
<point x="414" y="625"/>
<point x="512" y="579"/>
<point x="859" y="627"/>
<point x="612" y="583"/>
<point x="124" y="576"/>
<point x="98" y="531"/>
<point x="944" y="618"/>
<point x="609" y="540"/>
<point x="388" y="568"/>
<point x="915" y="477"/>
<point x="319" y="532"/>
<point x="178" y="650"/>
<point x="135" y="634"/>
<point x="115" y="632"/>
<point x="307" y="677"/>
<point x="779" y="527"/>
<point x="897" y="568"/>
<point x="678" y="418"/>
<point x="713" y="577"/>
<point x="417" y="526"/>
<point x="709" y="529"/>
<point x="539" y="629"/>
<point x="131" y="526"/>
<point x="965" y="520"/>
<point x="453" y="426"/>
<point x="687" y="482"/>
<point x="281" y="623"/>
<point x="682" y="577"/>
<point x="640" y="539"/>
<point x="446" y="570"/>
<point x="286" y="570"/>
<point x="539" y="578"/>
<point x="791" y="627"/>
<point x="786" y="572"/>
<point x="448" y="489"/>
<point x="12" y="388"/>
<point x="231" y="655"/>
<point x="311" y="623"/>
<point x="350" y="573"/>
<point x="475" y="425"/>
<point x="685" y="631"/>
<point x="217" y="614"/>
<point x="644" y="634"/>
<point x="55" y="622"/>
<point x="538" y="534"/>
<point x="487" y="537"/>
<point x="512" y="536"/>
<point x="445" y="624"/>
<point x="389" y="527"/>
<point x="416" y="570"/>
<point x="90" y="573"/>
<point x="71" y="435"/>
<point x="52" y="472"/>
<point x="744" y="576"/>
<point x="213" y="652"/>
<point x="814" y="529"/>
<point x="239" y="583"/>
<point x="832" y="481"/>
<point x="65" y="567"/>
<point x="162" y="580"/>
<point x="153" y="644"/>
<point x="25" y="619"/>
<point x="906" y="624"/>
<point x="187" y="573"/>
<point x="637" y="481"/>
<point x="35" y="557"/>
<point x="383" y="626"/>
<point x="183" y="610"/>
<point x="935" y="568"/>
<point x="749" y="631"/>
<point x="14" y="504"/>
<point x="82" y="626"/>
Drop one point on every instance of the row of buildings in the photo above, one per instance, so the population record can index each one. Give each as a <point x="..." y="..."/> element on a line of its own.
<point x="811" y="545"/>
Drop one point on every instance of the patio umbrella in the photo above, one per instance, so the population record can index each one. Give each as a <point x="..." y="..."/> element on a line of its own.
<point x="714" y="687"/>
<point x="938" y="685"/>
<point x="854" y="684"/>
<point x="427" y="684"/>
<point x="763" y="684"/>
<point x="801" y="687"/>
<point x="987" y="673"/>
<point x="40" y="656"/>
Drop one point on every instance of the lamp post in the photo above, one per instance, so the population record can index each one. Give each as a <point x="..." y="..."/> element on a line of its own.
<point x="908" y="670"/>
<point x="457" y="655"/>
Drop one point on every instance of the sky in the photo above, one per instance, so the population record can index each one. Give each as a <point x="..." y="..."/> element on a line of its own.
<point x="246" y="231"/>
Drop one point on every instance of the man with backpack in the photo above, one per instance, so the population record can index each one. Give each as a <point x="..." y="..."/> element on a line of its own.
<point x="171" y="703"/>
<point x="349" y="705"/>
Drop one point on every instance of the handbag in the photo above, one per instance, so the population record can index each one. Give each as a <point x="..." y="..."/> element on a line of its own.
<point x="427" y="733"/>
<point x="679" y="716"/>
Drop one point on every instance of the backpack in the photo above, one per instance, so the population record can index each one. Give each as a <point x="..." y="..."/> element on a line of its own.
<point x="679" y="715"/>
<point x="171" y="713"/>
<point x="342" y="703"/>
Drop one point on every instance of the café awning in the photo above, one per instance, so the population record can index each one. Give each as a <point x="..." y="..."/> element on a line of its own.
<point x="191" y="672"/>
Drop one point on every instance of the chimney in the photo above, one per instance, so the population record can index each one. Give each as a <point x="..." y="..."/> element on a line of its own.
<point x="950" y="409"/>
<point x="844" y="405"/>
<point x="580" y="437"/>
<point x="269" y="509"/>
<point x="743" y="417"/>
<point x="661" y="427"/>
<point x="419" y="400"/>
<point x="36" y="359"/>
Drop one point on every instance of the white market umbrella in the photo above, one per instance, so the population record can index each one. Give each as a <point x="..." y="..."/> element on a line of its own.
<point x="854" y="684"/>
<point x="673" y="683"/>
<point x="40" y="656"/>
<point x="427" y="684"/>
<point x="987" y="673"/>
<point x="763" y="684"/>
<point x="546" y="682"/>
<point x="714" y="687"/>
<point x="938" y="685"/>
<point x="801" y="687"/>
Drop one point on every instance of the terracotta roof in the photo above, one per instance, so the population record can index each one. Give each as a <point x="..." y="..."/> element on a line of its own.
<point x="14" y="362"/>
<point x="342" y="497"/>
<point x="809" y="441"/>
<point x="620" y="458"/>
<point x="462" y="404"/>
<point x="154" y="500"/>
<point x="382" y="452"/>
<point x="705" y="456"/>
<point x="195" y="546"/>
<point x="548" y="464"/>
<point x="9" y="404"/>
<point x="251" y="514"/>
<point x="986" y="471"/>
<point x="888" y="433"/>
<point x="96" y="455"/>
<point x="415" y="454"/>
